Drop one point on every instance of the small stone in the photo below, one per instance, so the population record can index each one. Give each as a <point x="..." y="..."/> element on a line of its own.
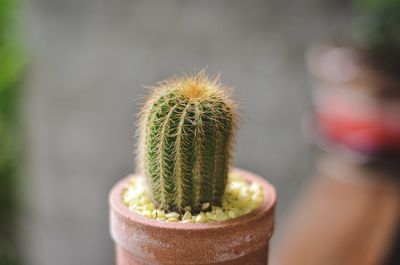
<point x="187" y="216"/>
<point x="201" y="219"/>
<point x="187" y="208"/>
<point x="140" y="208"/>
<point x="211" y="216"/>
<point x="146" y="213"/>
<point x="220" y="215"/>
<point x="235" y="186"/>
<point x="255" y="188"/>
<point x="244" y="192"/>
<point x="172" y="215"/>
<point x="232" y="214"/>
<point x="205" y="206"/>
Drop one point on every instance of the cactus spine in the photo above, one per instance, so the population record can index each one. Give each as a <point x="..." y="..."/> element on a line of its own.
<point x="187" y="131"/>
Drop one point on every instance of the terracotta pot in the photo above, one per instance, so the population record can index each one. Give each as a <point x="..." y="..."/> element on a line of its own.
<point x="143" y="241"/>
<point x="347" y="216"/>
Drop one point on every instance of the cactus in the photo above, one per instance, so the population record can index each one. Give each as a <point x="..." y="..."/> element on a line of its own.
<point x="187" y="132"/>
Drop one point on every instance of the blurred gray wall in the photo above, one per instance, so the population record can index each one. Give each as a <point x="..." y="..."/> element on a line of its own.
<point x="89" y="62"/>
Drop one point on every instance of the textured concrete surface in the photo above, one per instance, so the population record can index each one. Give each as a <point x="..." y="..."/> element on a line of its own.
<point x="89" y="61"/>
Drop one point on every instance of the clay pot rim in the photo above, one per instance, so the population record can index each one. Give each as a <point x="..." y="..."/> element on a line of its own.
<point x="266" y="207"/>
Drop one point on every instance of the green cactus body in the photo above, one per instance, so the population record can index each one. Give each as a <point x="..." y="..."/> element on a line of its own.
<point x="187" y="133"/>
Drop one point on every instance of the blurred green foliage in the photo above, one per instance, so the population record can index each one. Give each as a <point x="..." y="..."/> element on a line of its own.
<point x="12" y="60"/>
<point x="378" y="29"/>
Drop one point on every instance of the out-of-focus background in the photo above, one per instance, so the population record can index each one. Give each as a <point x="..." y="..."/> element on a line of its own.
<point x="86" y="67"/>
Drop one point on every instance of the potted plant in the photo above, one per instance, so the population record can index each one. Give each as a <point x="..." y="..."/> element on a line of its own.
<point x="186" y="204"/>
<point x="357" y="85"/>
<point x="349" y="214"/>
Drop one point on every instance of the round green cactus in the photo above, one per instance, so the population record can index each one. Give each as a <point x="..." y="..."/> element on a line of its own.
<point x="187" y="132"/>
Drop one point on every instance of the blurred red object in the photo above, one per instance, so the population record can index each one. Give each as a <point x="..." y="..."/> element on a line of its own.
<point x="360" y="126"/>
<point x="356" y="105"/>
